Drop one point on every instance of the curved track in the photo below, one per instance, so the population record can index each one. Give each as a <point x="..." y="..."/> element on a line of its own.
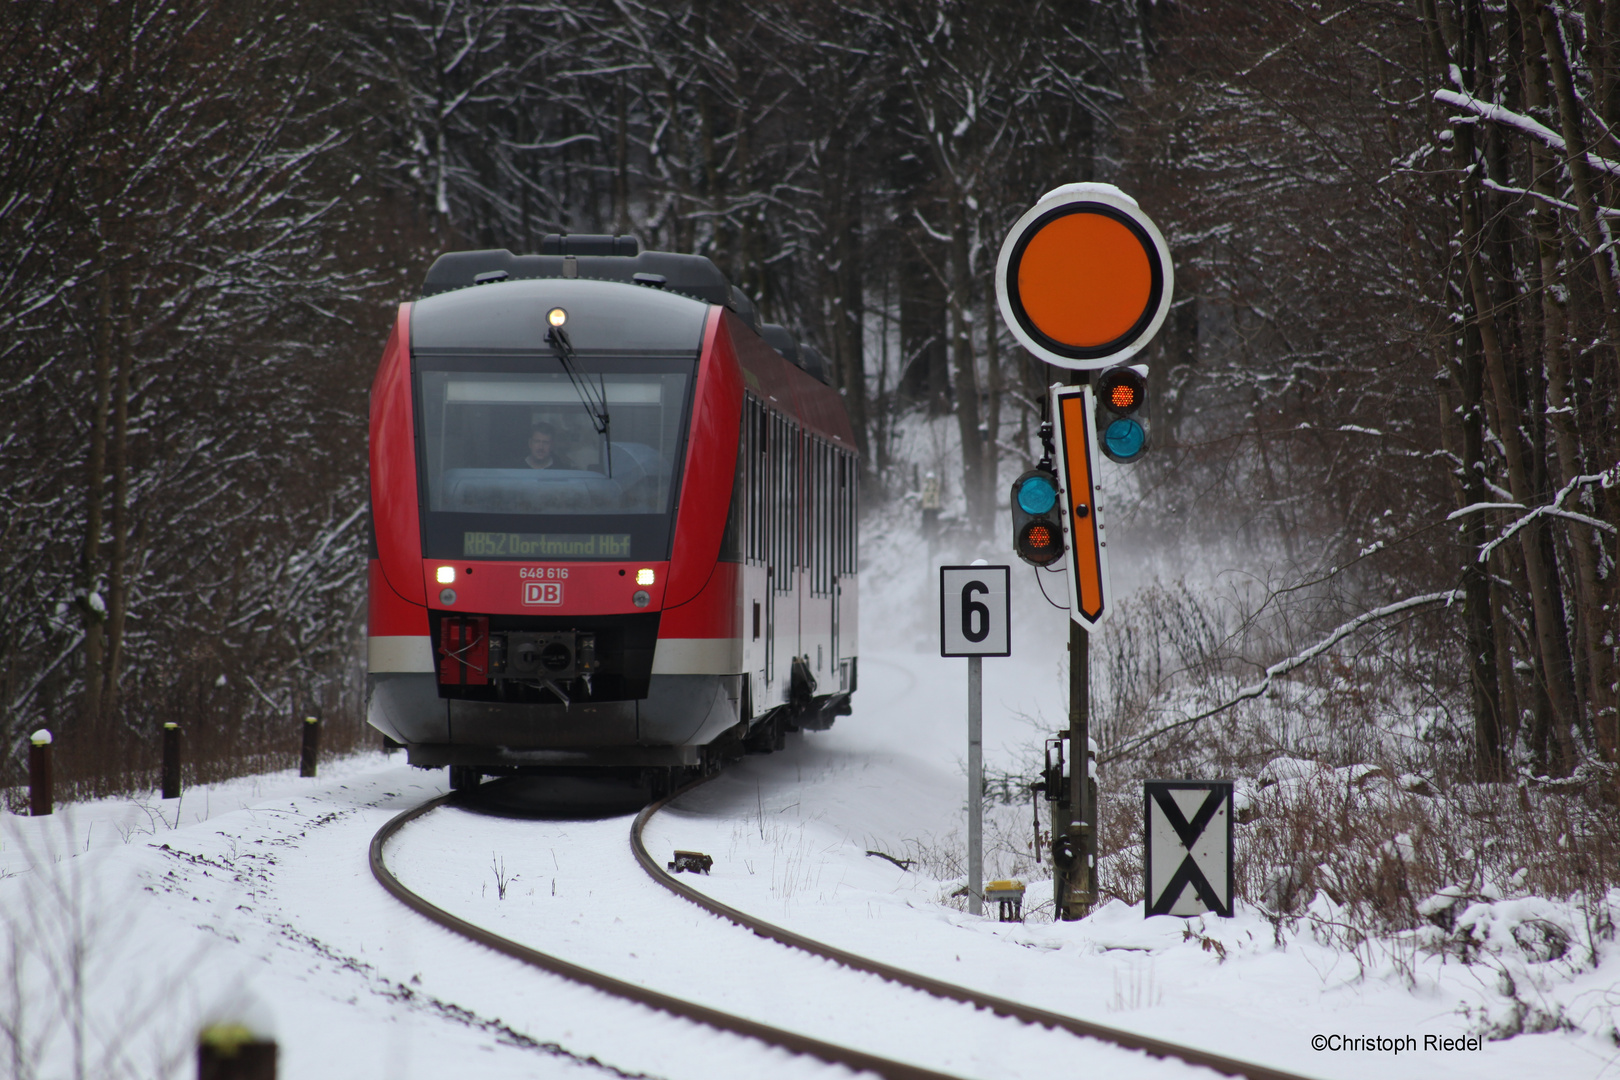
<point x="714" y="1018"/>
<point x="937" y="987"/>
<point x="776" y="1037"/>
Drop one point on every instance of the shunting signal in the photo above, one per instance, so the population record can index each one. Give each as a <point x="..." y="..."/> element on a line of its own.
<point x="1037" y="518"/>
<point x="1121" y="412"/>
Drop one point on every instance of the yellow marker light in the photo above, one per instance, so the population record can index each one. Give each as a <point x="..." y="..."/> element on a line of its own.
<point x="644" y="576"/>
<point x="556" y="316"/>
<point x="446" y="575"/>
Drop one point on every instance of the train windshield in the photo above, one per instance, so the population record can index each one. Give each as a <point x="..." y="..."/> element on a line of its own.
<point x="529" y="464"/>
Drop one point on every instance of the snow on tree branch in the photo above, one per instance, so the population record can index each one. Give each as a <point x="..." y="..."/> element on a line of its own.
<point x="1528" y="125"/>
<point x="1283" y="667"/>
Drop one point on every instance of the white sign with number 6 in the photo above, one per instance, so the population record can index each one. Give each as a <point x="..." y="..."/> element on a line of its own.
<point x="974" y="611"/>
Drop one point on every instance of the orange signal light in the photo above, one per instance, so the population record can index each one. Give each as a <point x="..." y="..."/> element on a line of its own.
<point x="1040" y="537"/>
<point x="1122" y="396"/>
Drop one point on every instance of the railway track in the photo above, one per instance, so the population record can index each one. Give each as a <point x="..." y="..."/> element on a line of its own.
<point x="791" y="1041"/>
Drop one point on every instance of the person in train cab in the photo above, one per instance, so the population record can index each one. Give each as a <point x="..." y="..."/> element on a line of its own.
<point x="540" y="456"/>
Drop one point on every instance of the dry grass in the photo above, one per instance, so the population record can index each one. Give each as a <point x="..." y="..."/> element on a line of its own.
<point x="1355" y="781"/>
<point x="228" y="732"/>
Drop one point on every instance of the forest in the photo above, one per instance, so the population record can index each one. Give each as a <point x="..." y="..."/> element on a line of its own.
<point x="1391" y="372"/>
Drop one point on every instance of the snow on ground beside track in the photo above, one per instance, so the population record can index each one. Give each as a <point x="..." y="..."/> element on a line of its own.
<point x="253" y="897"/>
<point x="789" y="835"/>
<point x="270" y="914"/>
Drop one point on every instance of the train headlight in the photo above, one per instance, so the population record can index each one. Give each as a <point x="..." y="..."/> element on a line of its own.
<point x="446" y="575"/>
<point x="645" y="576"/>
<point x="556" y="316"/>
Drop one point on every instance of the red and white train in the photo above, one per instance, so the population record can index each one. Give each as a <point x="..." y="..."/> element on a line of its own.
<point x="614" y="519"/>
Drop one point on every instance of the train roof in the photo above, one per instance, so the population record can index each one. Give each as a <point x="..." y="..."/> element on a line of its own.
<point x="512" y="316"/>
<point x="589" y="258"/>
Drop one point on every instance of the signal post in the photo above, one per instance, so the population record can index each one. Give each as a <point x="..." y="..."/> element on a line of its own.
<point x="1084" y="282"/>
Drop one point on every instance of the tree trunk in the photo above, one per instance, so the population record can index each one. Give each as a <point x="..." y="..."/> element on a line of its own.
<point x="1543" y="584"/>
<point x="94" y="609"/>
<point x="1580" y="176"/>
<point x="621" y="172"/>
<point x="992" y="417"/>
<point x="1491" y="747"/>
<point x="117" y="565"/>
<point x="967" y="375"/>
<point x="1555" y="356"/>
<point x="849" y="302"/>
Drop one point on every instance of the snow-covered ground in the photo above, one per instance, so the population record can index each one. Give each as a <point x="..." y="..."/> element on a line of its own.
<point x="128" y="924"/>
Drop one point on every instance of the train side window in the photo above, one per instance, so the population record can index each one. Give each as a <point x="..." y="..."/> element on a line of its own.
<point x="781" y="501"/>
<point x="732" y="540"/>
<point x="816" y="495"/>
<point x="849" y="507"/>
<point x="753" y="446"/>
<point x="791" y="503"/>
<point x="818" y="524"/>
<point x="843" y="513"/>
<point x="815" y="516"/>
<point x="792" y="506"/>
<point x="825" y="546"/>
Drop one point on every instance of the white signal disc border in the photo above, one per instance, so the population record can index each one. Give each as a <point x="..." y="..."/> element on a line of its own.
<point x="1075" y="194"/>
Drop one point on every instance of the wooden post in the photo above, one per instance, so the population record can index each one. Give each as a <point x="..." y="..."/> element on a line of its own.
<point x="310" y="756"/>
<point x="39" y="773"/>
<point x="171" y="761"/>
<point x="232" y="1052"/>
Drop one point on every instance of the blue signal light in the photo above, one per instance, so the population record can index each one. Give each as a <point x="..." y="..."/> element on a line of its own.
<point x="1125" y="438"/>
<point x="1037" y="495"/>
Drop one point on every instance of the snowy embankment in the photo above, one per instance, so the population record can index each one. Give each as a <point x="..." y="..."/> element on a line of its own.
<point x="127" y="924"/>
<point x="267" y="908"/>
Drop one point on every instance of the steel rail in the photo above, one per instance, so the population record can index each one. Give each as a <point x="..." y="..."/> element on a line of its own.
<point x="938" y="987"/>
<point x="641" y="995"/>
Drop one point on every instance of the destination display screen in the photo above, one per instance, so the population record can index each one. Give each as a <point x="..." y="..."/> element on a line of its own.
<point x="512" y="545"/>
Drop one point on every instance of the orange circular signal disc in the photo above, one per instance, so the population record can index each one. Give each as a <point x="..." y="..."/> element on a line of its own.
<point x="1085" y="279"/>
<point x="1122" y="396"/>
<point x="1040" y="537"/>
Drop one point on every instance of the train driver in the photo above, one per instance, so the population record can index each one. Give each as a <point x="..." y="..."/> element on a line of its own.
<point x="541" y="438"/>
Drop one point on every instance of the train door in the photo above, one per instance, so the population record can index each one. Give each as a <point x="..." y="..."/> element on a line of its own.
<point x="773" y="483"/>
<point x="835" y="551"/>
<point x="786" y="556"/>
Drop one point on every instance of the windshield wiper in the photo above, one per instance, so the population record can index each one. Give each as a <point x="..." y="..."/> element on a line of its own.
<point x="595" y="405"/>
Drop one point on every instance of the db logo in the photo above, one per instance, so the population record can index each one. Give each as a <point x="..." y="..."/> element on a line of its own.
<point x="542" y="592"/>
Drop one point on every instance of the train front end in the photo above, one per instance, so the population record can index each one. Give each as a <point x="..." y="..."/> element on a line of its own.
<point x="546" y="482"/>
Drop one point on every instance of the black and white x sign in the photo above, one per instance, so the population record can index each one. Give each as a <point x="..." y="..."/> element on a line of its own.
<point x="1187" y="847"/>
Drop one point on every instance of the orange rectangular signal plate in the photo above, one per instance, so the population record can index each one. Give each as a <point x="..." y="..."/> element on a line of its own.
<point x="1082" y="507"/>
